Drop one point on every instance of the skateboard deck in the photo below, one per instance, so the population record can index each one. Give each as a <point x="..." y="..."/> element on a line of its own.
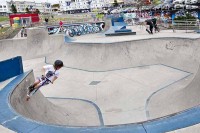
<point x="28" y="96"/>
<point x="148" y="31"/>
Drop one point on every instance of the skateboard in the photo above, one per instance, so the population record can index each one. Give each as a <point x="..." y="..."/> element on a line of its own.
<point x="148" y="31"/>
<point x="31" y="93"/>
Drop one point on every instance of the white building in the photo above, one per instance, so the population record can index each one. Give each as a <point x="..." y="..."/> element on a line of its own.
<point x="4" y="9"/>
<point x="72" y="5"/>
<point x="44" y="7"/>
<point x="82" y="5"/>
<point x="21" y="5"/>
<point x="98" y="4"/>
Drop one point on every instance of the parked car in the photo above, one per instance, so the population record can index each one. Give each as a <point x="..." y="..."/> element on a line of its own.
<point x="187" y="1"/>
<point x="195" y="7"/>
<point x="178" y="1"/>
<point x="168" y="1"/>
<point x="178" y="6"/>
<point x="115" y="11"/>
<point x="168" y="6"/>
<point x="194" y="1"/>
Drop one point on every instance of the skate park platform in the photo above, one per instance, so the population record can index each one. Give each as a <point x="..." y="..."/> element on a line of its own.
<point x="121" y="33"/>
<point x="143" y="84"/>
<point x="118" y="28"/>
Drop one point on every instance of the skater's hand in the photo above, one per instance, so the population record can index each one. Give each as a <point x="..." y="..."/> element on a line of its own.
<point x="43" y="77"/>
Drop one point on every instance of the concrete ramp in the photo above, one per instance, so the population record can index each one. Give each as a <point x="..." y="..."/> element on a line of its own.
<point x="177" y="53"/>
<point x="40" y="109"/>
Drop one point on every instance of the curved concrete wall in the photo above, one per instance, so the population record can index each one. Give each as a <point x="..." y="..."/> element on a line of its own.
<point x="40" y="109"/>
<point x="37" y="44"/>
<point x="175" y="52"/>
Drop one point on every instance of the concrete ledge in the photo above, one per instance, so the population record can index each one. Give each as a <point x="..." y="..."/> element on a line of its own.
<point x="123" y="30"/>
<point x="120" y="33"/>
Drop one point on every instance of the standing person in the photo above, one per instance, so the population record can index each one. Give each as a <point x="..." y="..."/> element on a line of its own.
<point x="61" y="25"/>
<point x="24" y="22"/>
<point x="23" y="32"/>
<point x="50" y="74"/>
<point x="46" y="20"/>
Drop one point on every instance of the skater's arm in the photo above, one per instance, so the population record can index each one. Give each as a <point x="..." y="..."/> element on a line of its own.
<point x="43" y="71"/>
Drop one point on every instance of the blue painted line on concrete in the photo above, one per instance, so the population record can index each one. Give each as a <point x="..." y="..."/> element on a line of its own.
<point x="20" y="124"/>
<point x="176" y="68"/>
<point x="90" y="102"/>
<point x="149" y="98"/>
<point x="109" y="70"/>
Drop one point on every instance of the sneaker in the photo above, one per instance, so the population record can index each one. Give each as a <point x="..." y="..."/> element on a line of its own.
<point x="31" y="88"/>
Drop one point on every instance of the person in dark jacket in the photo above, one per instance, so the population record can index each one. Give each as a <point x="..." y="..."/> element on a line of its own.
<point x="150" y="23"/>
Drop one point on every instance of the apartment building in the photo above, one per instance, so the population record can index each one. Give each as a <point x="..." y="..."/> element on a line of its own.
<point x="3" y="7"/>
<point x="73" y="4"/>
<point x="99" y="4"/>
<point x="44" y="7"/>
<point x="21" y="5"/>
<point x="82" y="5"/>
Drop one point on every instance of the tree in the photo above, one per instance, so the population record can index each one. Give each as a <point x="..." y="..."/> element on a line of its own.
<point x="13" y="9"/>
<point x="115" y="4"/>
<point x="27" y="10"/>
<point x="37" y="11"/>
<point x="56" y="6"/>
<point x="156" y="2"/>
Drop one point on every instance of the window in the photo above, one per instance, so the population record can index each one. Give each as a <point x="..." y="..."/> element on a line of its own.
<point x="0" y="6"/>
<point x="4" y="6"/>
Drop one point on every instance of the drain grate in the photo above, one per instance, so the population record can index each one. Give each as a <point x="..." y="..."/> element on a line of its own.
<point x="94" y="82"/>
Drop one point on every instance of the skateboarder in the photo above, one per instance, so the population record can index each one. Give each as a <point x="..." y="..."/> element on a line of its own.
<point x="150" y="23"/>
<point x="50" y="74"/>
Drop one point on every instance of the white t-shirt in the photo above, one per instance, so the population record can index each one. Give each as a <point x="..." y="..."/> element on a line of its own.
<point x="50" y="72"/>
